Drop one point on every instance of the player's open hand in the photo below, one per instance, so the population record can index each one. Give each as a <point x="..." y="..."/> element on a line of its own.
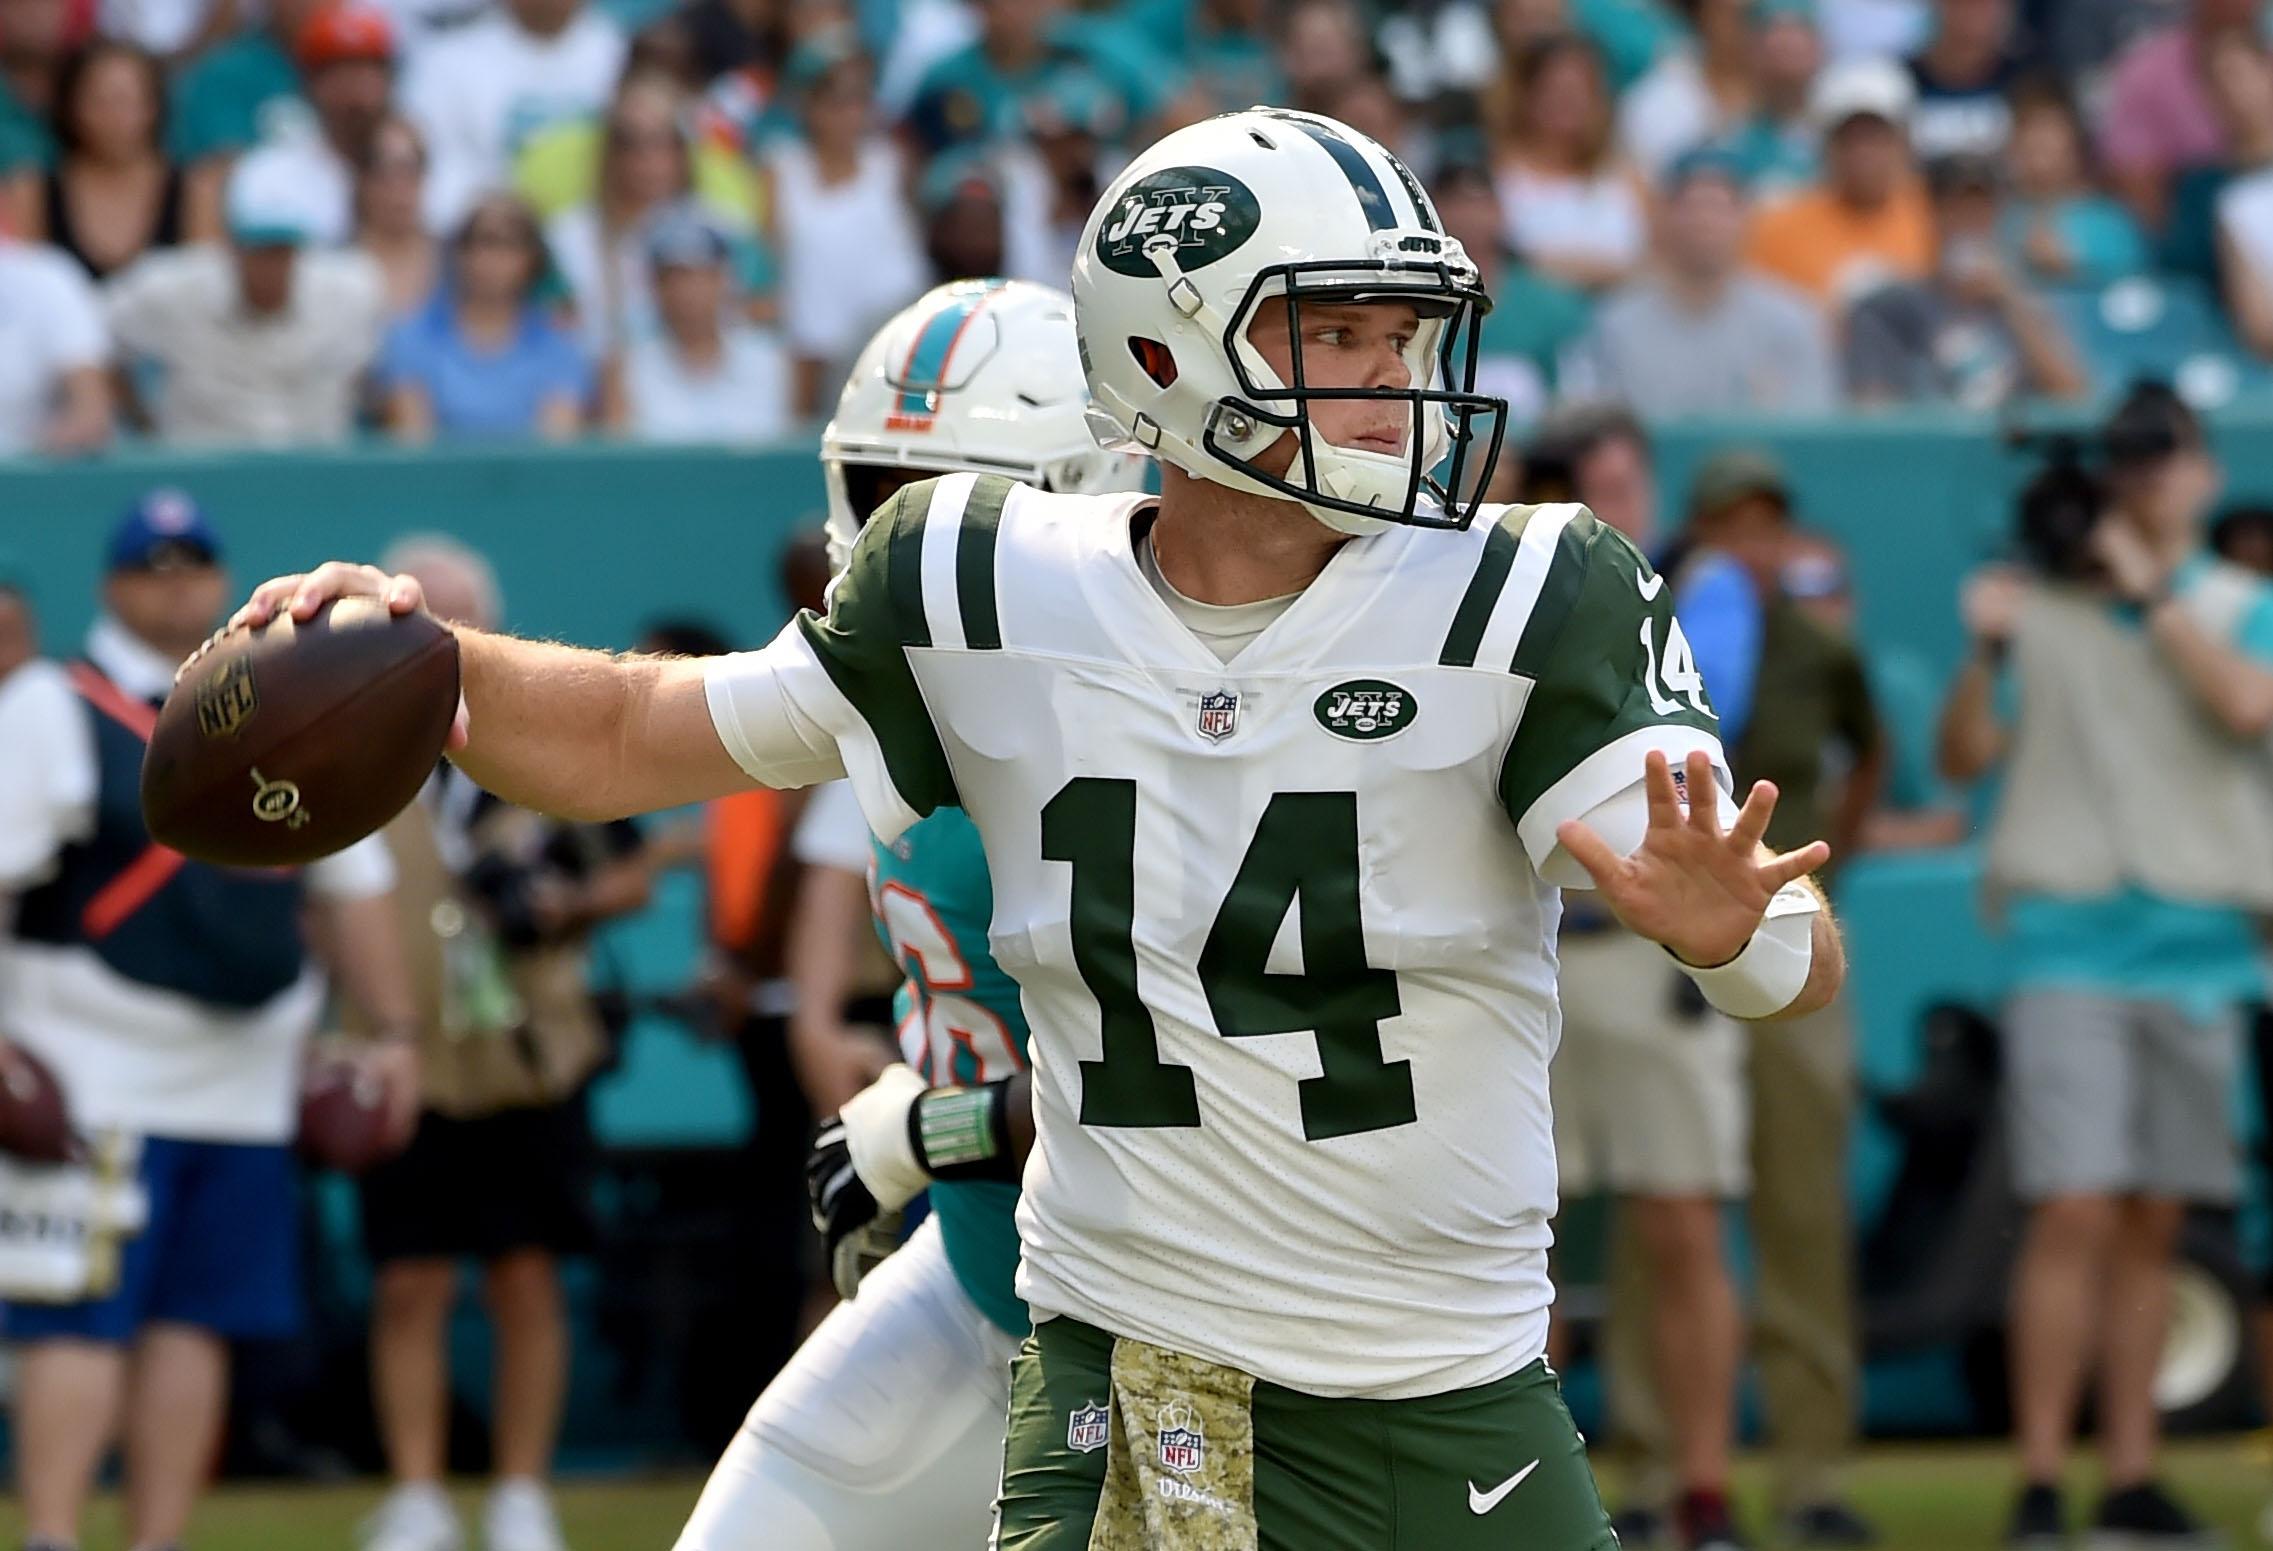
<point x="1699" y="890"/>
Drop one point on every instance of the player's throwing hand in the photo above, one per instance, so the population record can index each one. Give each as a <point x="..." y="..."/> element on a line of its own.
<point x="1699" y="890"/>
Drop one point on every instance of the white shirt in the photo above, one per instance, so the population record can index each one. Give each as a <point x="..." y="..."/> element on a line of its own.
<point x="743" y="398"/>
<point x="2245" y="219"/>
<point x="51" y="324"/>
<point x="480" y="93"/>
<point x="228" y="375"/>
<point x="1554" y="217"/>
<point x="850" y="254"/>
<point x="128" y="1055"/>
<point x="831" y="831"/>
<point x="161" y="26"/>
<point x="1667" y="112"/>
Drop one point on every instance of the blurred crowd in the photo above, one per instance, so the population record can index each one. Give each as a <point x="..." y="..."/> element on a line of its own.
<point x="285" y="221"/>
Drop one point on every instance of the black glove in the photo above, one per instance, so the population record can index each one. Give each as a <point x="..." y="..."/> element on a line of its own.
<point x="857" y="1236"/>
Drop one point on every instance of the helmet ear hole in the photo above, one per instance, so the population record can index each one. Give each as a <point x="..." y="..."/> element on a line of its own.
<point x="1154" y="360"/>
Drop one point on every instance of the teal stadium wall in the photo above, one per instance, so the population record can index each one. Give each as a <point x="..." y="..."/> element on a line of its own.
<point x="592" y="541"/>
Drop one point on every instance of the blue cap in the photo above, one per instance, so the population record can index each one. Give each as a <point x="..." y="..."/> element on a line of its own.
<point x="162" y="526"/>
<point x="684" y="238"/>
<point x="1706" y="161"/>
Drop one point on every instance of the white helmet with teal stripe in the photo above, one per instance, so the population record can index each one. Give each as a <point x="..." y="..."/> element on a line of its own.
<point x="1274" y="207"/>
<point x="976" y="374"/>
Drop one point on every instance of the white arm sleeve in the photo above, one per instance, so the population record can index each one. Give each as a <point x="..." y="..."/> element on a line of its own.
<point x="364" y="869"/>
<point x="768" y="706"/>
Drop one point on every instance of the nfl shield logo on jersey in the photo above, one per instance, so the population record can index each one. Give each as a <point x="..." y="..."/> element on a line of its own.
<point x="1219" y="715"/>
<point x="1182" y="1444"/>
<point x="1088" y="1429"/>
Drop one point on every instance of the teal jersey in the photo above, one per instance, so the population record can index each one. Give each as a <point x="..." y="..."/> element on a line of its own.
<point x="960" y="1022"/>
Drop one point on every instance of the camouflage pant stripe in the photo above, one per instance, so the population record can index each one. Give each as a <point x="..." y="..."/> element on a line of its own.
<point x="1120" y="1446"/>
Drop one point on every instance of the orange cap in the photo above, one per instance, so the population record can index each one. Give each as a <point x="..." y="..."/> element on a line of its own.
<point x="336" y="33"/>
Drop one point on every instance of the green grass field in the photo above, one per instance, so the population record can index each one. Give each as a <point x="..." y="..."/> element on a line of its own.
<point x="1923" y="1498"/>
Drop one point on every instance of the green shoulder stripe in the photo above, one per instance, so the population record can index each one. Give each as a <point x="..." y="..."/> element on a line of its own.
<point x="1475" y="610"/>
<point x="1558" y="594"/>
<point x="974" y="563"/>
<point x="875" y="613"/>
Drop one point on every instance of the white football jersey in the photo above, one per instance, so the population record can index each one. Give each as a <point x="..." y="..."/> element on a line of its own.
<point x="1277" y="923"/>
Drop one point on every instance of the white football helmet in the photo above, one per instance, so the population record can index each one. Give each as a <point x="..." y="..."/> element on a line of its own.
<point x="1221" y="218"/>
<point x="978" y="375"/>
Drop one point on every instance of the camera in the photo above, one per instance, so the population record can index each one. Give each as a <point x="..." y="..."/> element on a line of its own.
<point x="2073" y="486"/>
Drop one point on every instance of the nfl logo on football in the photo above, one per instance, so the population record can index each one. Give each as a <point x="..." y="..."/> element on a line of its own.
<point x="1088" y="1429"/>
<point x="1182" y="1444"/>
<point x="1219" y="715"/>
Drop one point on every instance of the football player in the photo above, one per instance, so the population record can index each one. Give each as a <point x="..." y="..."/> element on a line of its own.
<point x="885" y="1430"/>
<point x="1278" y="775"/>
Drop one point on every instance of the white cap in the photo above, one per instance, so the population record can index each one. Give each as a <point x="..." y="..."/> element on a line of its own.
<point x="1880" y="88"/>
<point x="268" y="201"/>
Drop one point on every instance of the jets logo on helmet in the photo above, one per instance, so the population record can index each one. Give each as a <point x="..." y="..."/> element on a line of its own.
<point x="1275" y="208"/>
<point x="1201" y="213"/>
<point x="978" y="374"/>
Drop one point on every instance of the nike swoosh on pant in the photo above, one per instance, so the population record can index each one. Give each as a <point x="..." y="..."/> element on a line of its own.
<point x="1484" y="1502"/>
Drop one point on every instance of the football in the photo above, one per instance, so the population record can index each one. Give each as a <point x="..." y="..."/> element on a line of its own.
<point x="287" y="743"/>
<point x="343" y="1119"/>
<point x="34" y="1125"/>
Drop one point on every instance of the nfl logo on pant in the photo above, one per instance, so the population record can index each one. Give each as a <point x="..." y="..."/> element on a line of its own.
<point x="1087" y="1430"/>
<point x="1182" y="1444"/>
<point x="1219" y="715"/>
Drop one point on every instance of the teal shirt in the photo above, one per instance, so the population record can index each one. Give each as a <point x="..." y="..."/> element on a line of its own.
<point x="226" y="101"/>
<point x="24" y="138"/>
<point x="965" y="97"/>
<point x="2135" y="943"/>
<point x="934" y="900"/>
<point x="2102" y="240"/>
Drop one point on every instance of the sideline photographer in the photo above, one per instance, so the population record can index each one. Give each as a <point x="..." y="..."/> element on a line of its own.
<point x="2125" y="682"/>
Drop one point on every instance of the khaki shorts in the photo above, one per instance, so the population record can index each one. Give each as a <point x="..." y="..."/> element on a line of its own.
<point x="1648" y="1085"/>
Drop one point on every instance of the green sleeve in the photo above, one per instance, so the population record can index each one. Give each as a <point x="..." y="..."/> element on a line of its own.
<point x="875" y="614"/>
<point x="1607" y="662"/>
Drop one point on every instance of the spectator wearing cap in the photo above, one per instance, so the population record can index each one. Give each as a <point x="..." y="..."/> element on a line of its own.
<point x="173" y="1001"/>
<point x="1574" y="209"/>
<point x="960" y="197"/>
<point x="2158" y="119"/>
<point x="346" y="54"/>
<point x="1533" y="319"/>
<point x="1781" y="145"/>
<point x="1700" y="332"/>
<point x="979" y="93"/>
<point x="35" y="36"/>
<point x="55" y="391"/>
<point x="839" y="192"/>
<point x="1963" y="79"/>
<point x="704" y="374"/>
<point x="241" y="93"/>
<point x="1695" y="95"/>
<point x="1968" y="334"/>
<point x="1866" y="221"/>
<point x="481" y="91"/>
<point x="482" y="358"/>
<point x="2058" y="228"/>
<point x="650" y="159"/>
<point x="112" y="194"/>
<point x="257" y="341"/>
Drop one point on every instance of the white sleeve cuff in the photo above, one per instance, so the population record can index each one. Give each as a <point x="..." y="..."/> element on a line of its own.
<point x="876" y="1134"/>
<point x="1606" y="791"/>
<point x="1770" y="973"/>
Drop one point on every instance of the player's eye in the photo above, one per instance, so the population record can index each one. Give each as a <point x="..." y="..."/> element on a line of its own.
<point x="1333" y="338"/>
